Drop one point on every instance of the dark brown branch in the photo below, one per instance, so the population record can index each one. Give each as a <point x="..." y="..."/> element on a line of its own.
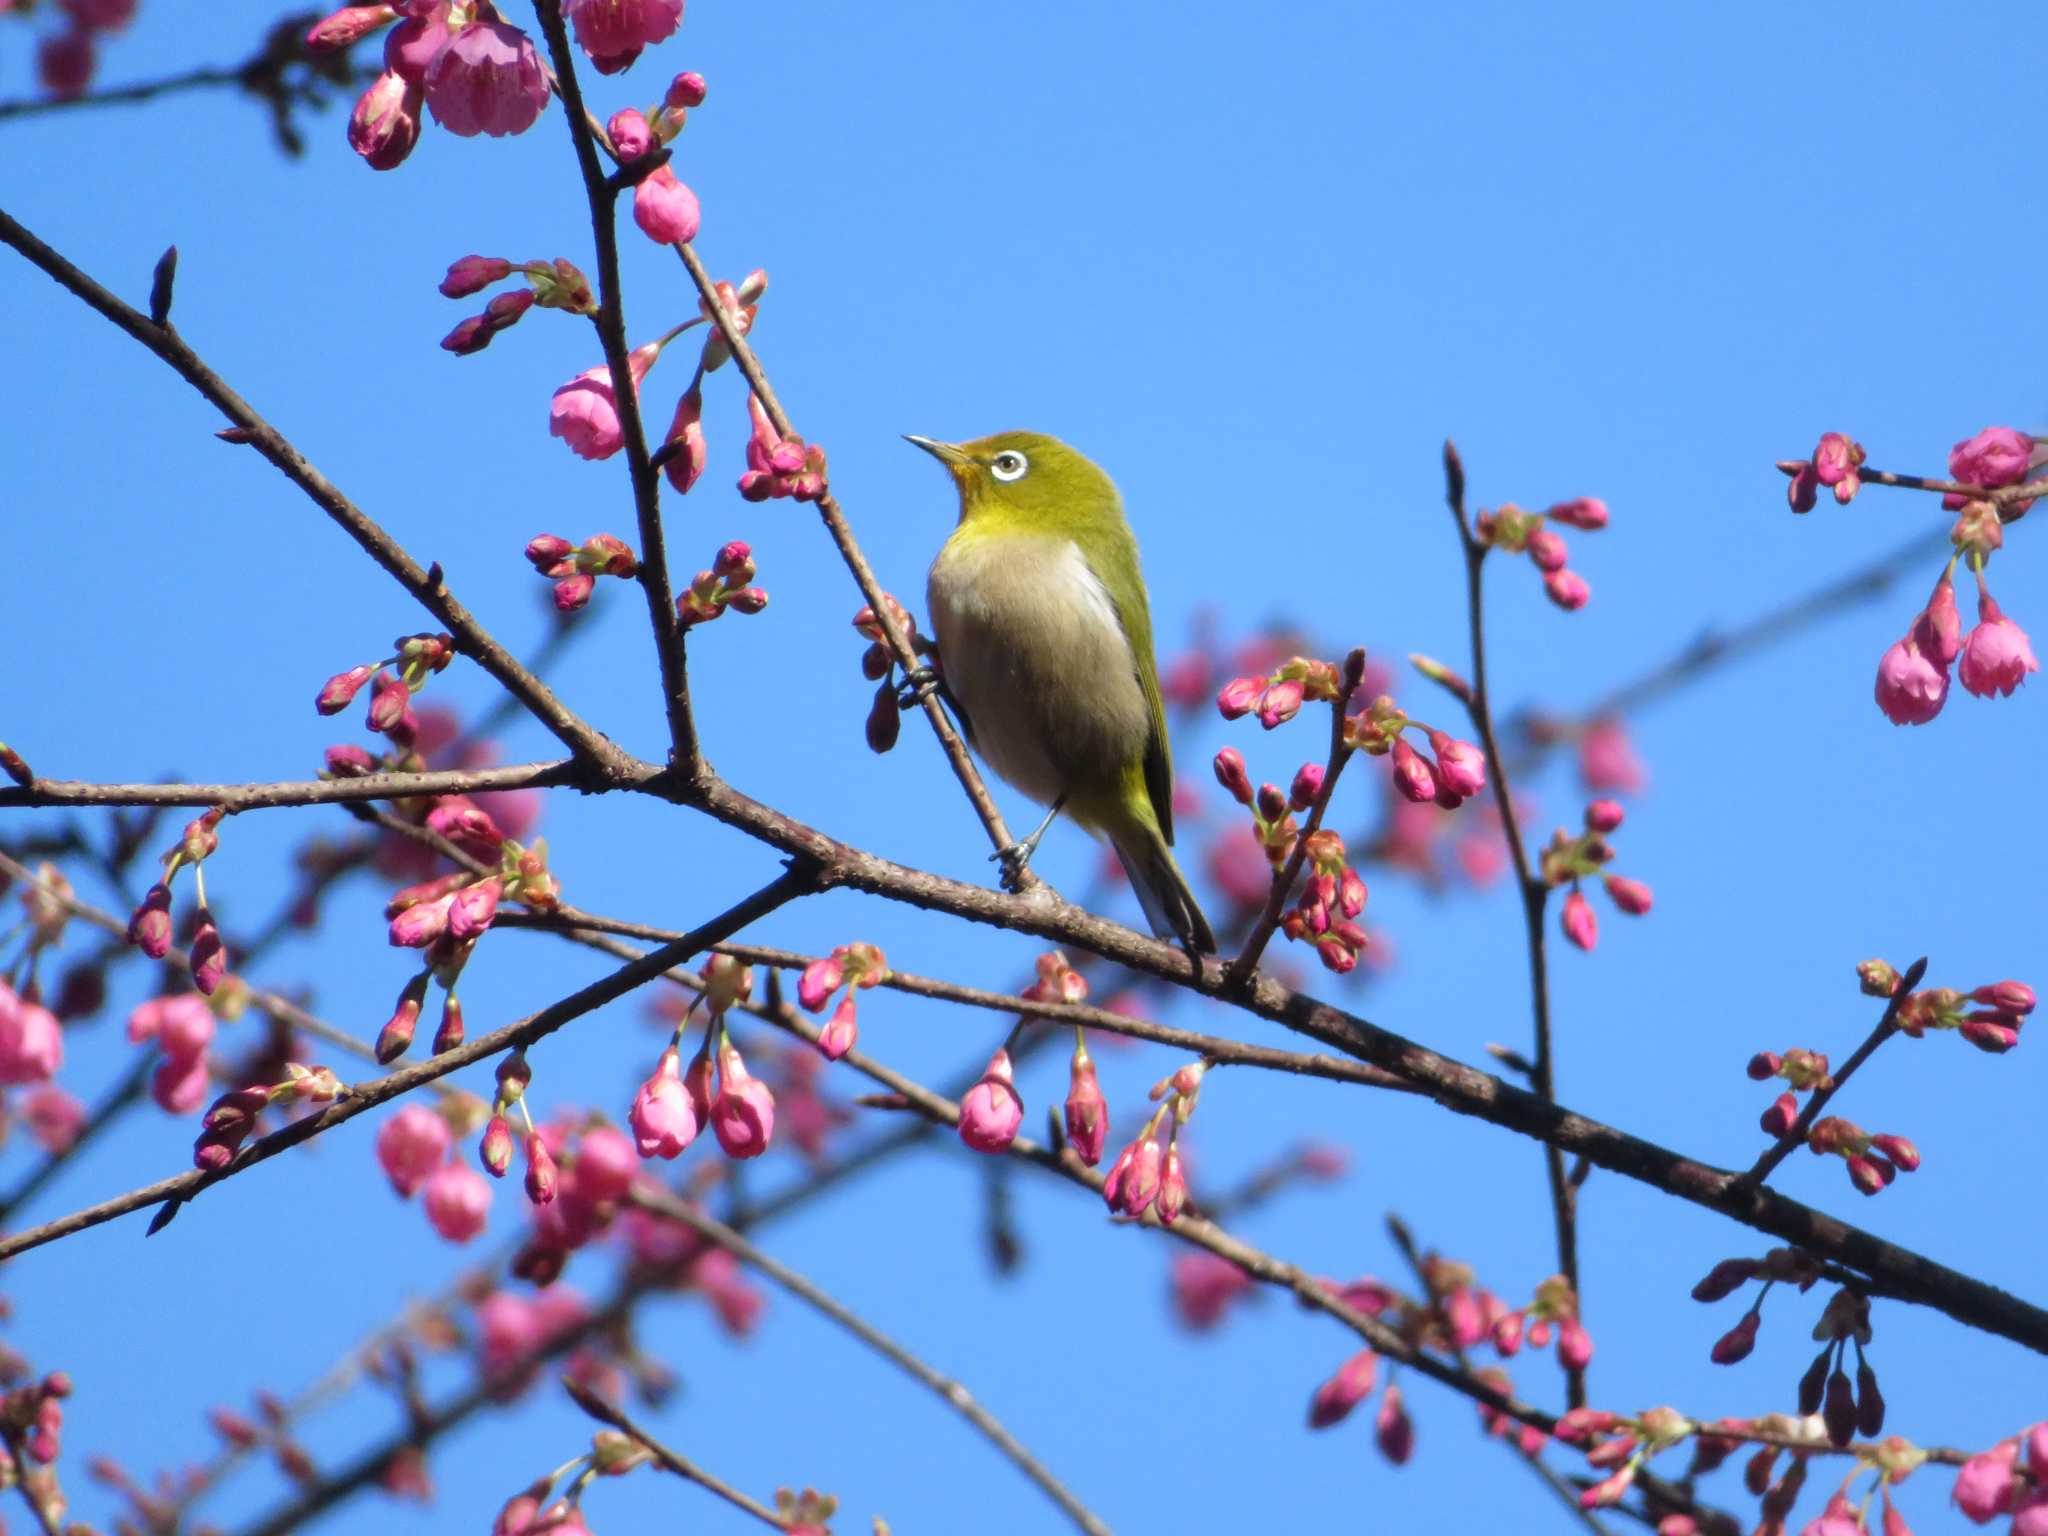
<point x="611" y="329"/>
<point x="426" y="586"/>
<point x="1534" y="892"/>
<point x="255" y="797"/>
<point x="1887" y="1026"/>
<point x="956" y="1395"/>
<point x="354" y="1100"/>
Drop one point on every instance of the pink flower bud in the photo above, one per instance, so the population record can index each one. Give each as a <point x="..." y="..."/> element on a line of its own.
<point x="1547" y="549"/>
<point x="1580" y="925"/>
<point x="1911" y="688"/>
<point x="841" y="1031"/>
<point x="548" y="550"/>
<point x="1738" y="1341"/>
<point x="386" y="121"/>
<point x="541" y="1176"/>
<point x="1904" y="1155"/>
<point x="457" y="1200"/>
<point x="1574" y="1344"/>
<point x="1567" y="589"/>
<point x="1603" y="816"/>
<point x="495" y="1151"/>
<point x="820" y="979"/>
<point x="667" y="212"/>
<point x="339" y="691"/>
<point x="1764" y="1065"/>
<point x="1994" y="457"/>
<point x="1230" y="773"/>
<point x="1938" y="630"/>
<point x="31" y="1040"/>
<point x="348" y="26"/>
<point x="1777" y="1120"/>
<point x="743" y="1113"/>
<point x="209" y="958"/>
<point x="1133" y="1181"/>
<point x="573" y="592"/>
<point x="1586" y="513"/>
<point x="395" y="1039"/>
<point x="687" y="90"/>
<point x="1632" y="896"/>
<point x="992" y="1111"/>
<point x="418" y="926"/>
<point x="390" y="702"/>
<point x="449" y="1034"/>
<point x="1301" y="794"/>
<point x="1173" y="1187"/>
<point x="180" y="1083"/>
<point x="1335" y="1398"/>
<point x="1280" y="703"/>
<point x="2011" y="996"/>
<point x="1087" y="1113"/>
<point x="1238" y="697"/>
<point x="630" y="135"/>
<point x="349" y="761"/>
<point x="149" y="930"/>
<point x="471" y="909"/>
<point x="1460" y="765"/>
<point x="1393" y="1431"/>
<point x="1994" y="1038"/>
<point x="1412" y="776"/>
<point x="1997" y="657"/>
<point x="410" y="1146"/>
<point x="473" y="274"/>
<point x="585" y="414"/>
<point x="663" y="1118"/>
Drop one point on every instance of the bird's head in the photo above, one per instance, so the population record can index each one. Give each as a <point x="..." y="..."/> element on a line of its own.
<point x="1024" y="479"/>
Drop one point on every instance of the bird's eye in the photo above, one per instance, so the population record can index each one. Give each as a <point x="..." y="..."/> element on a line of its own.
<point x="1009" y="465"/>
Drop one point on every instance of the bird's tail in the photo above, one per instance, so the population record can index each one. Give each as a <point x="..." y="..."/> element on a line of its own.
<point x="1170" y="907"/>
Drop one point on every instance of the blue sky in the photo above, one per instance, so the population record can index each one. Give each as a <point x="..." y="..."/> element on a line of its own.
<point x="1258" y="269"/>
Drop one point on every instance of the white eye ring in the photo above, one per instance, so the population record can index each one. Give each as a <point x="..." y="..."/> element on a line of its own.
<point x="1008" y="465"/>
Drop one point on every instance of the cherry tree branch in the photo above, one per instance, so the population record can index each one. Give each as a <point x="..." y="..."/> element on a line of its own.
<point x="1887" y="1026"/>
<point x="653" y="574"/>
<point x="834" y="518"/>
<point x="683" y="1467"/>
<point x="1534" y="892"/>
<point x="256" y="797"/>
<point x="354" y="1100"/>
<point x="32" y="1485"/>
<point x="956" y="1395"/>
<point x="426" y="586"/>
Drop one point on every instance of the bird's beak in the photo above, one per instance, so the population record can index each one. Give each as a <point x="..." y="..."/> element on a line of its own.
<point x="945" y="453"/>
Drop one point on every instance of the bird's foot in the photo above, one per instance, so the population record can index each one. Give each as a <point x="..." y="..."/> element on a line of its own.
<point x="1016" y="859"/>
<point x="918" y="684"/>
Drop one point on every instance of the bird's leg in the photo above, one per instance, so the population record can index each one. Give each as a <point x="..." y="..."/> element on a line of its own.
<point x="916" y="683"/>
<point x="1018" y="855"/>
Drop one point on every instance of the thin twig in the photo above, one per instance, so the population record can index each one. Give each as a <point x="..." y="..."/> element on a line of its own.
<point x="1887" y="1026"/>
<point x="299" y="792"/>
<point x="1535" y="893"/>
<point x="952" y="1391"/>
<point x="611" y="331"/>
<point x="674" y="1461"/>
<point x="426" y="586"/>
<point x="2003" y="497"/>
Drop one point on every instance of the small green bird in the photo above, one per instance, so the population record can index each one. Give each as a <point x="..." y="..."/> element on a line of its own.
<point x="1045" y="639"/>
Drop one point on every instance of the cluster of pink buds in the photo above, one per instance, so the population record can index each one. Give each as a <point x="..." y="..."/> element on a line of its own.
<point x="877" y="663"/>
<point x="1801" y="1070"/>
<point x="1989" y="1017"/>
<point x="1449" y="774"/>
<point x="416" y="1150"/>
<point x="592" y="1165"/>
<point x="1150" y="1174"/>
<point x="1334" y="1399"/>
<point x="779" y="466"/>
<point x="228" y="1123"/>
<point x="1872" y="1161"/>
<point x="1835" y="465"/>
<point x="415" y="658"/>
<point x="515" y="1076"/>
<point x="31" y="1039"/>
<point x="149" y="927"/>
<point x="664" y="207"/>
<point x="574" y="568"/>
<point x="1553" y="1311"/>
<point x="1277" y="696"/>
<point x="35" y="1415"/>
<point x="458" y="59"/>
<point x="726" y="585"/>
<point x="556" y="284"/>
<point x="1620" y="1446"/>
<point x="1786" y="1266"/>
<point x="182" y="1026"/>
<point x="1517" y="532"/>
<point x="1993" y="1483"/>
<point x="66" y="58"/>
<point x="854" y="967"/>
<point x="1847" y="1408"/>
<point x="1913" y="677"/>
<point x="672" y="1107"/>
<point x="1568" y="860"/>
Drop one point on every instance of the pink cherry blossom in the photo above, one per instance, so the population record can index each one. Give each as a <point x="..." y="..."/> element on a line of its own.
<point x="1567" y="589"/>
<point x="663" y="1118"/>
<point x="1632" y="896"/>
<point x="182" y="1025"/>
<point x="1580" y="924"/>
<point x="31" y="1041"/>
<point x="1351" y="1385"/>
<point x="1998" y="656"/>
<point x="1986" y="1484"/>
<point x="992" y="1111"/>
<point x="1087" y="1114"/>
<point x="458" y="1201"/>
<point x="347" y="26"/>
<point x="53" y="1117"/>
<point x="1994" y="457"/>
<point x="616" y="30"/>
<point x="1459" y="764"/>
<point x="585" y="414"/>
<point x="385" y="124"/>
<point x="743" y="1113"/>
<point x="605" y="1165"/>
<point x="487" y="78"/>
<point x="841" y="1031"/>
<point x="509" y="1330"/>
<point x="1607" y="759"/>
<point x="1911" y="687"/>
<point x="1204" y="1285"/>
<point x="665" y="209"/>
<point x="180" y="1085"/>
<point x="631" y="137"/>
<point x="411" y="1145"/>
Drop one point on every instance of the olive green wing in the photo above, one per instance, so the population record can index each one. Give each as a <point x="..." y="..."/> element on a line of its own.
<point x="1112" y="554"/>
